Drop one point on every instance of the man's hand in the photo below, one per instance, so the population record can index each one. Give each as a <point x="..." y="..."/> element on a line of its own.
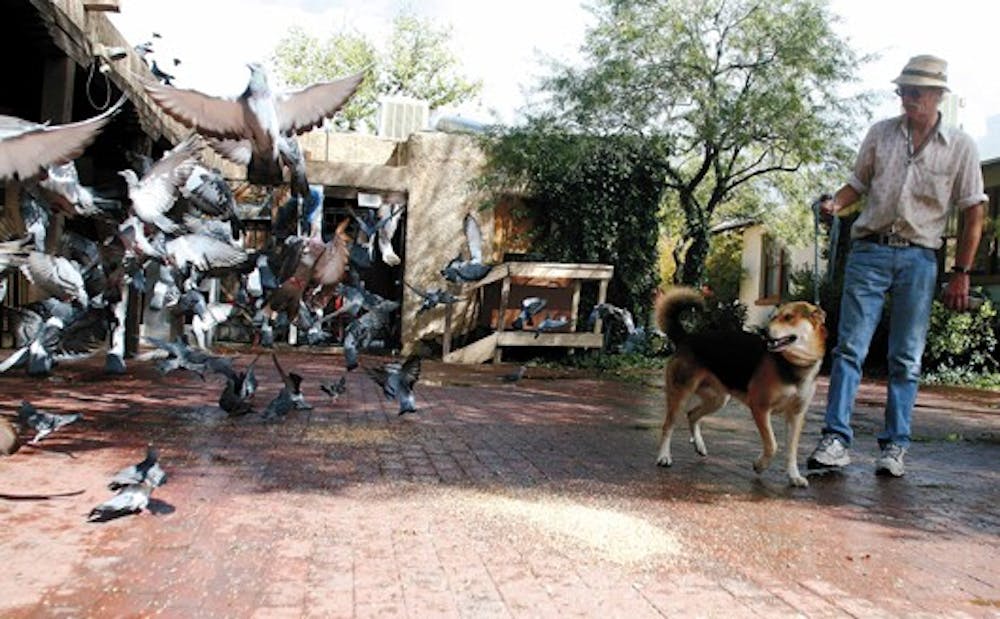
<point x="956" y="293"/>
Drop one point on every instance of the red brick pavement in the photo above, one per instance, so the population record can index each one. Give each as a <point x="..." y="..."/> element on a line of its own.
<point x="528" y="500"/>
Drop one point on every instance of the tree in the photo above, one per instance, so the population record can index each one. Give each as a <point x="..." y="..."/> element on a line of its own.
<point x="592" y="199"/>
<point x="416" y="63"/>
<point x="739" y="92"/>
<point x="419" y="64"/>
<point x="301" y="59"/>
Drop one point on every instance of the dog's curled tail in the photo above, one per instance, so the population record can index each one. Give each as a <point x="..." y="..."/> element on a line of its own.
<point x="670" y="304"/>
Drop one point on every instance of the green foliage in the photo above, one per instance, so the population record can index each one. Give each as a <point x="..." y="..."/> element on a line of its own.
<point x="724" y="265"/>
<point x="300" y="59"/>
<point x="739" y="93"/>
<point x="596" y="201"/>
<point x="961" y="346"/>
<point x="416" y="62"/>
<point x="419" y="64"/>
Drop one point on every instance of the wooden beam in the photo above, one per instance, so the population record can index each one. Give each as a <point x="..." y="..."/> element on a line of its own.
<point x="102" y="5"/>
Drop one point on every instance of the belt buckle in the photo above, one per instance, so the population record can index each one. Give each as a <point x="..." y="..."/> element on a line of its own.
<point x="894" y="240"/>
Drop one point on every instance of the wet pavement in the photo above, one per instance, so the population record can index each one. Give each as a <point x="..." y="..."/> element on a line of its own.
<point x="533" y="499"/>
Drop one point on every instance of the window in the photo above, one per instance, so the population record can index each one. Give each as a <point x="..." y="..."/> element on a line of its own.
<point x="774" y="272"/>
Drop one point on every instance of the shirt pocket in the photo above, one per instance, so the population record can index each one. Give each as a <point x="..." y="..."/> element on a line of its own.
<point x="932" y="186"/>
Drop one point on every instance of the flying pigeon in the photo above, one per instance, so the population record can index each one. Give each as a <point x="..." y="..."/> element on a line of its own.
<point x="255" y="121"/>
<point x="56" y="276"/>
<point x="182" y="356"/>
<point x="160" y="74"/>
<point x="203" y="252"/>
<point x="529" y="307"/>
<point x="432" y="298"/>
<point x="389" y="214"/>
<point x="147" y="470"/>
<point x="473" y="269"/>
<point x="208" y="192"/>
<point x="334" y="389"/>
<point x="27" y="148"/>
<point x="397" y="382"/>
<point x="155" y="193"/>
<point x="41" y="422"/>
<point x="52" y="331"/>
<point x="131" y="499"/>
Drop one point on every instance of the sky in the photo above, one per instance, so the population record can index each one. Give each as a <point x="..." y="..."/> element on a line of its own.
<point x="502" y="43"/>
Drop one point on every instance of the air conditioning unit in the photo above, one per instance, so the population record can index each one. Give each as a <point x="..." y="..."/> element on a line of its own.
<point x="400" y="116"/>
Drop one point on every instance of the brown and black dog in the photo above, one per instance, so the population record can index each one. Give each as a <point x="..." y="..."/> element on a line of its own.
<point x="771" y="373"/>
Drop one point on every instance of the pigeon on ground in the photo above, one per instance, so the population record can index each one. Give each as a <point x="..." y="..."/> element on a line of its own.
<point x="147" y="470"/>
<point x="27" y="148"/>
<point x="529" y="307"/>
<point x="550" y="324"/>
<point x="43" y="423"/>
<point x="432" y="298"/>
<point x="515" y="376"/>
<point x="155" y="193"/>
<point x="397" y="382"/>
<point x="237" y="396"/>
<point x="131" y="499"/>
<point x="253" y="123"/>
<point x="334" y="389"/>
<point x="473" y="269"/>
<point x="289" y="398"/>
<point x="636" y="337"/>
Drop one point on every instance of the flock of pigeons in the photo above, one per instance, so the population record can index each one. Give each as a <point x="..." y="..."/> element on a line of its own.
<point x="175" y="227"/>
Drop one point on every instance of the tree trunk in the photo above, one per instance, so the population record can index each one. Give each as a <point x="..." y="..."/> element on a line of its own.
<point x="694" y="259"/>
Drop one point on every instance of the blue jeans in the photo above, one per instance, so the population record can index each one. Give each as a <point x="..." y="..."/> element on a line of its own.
<point x="908" y="275"/>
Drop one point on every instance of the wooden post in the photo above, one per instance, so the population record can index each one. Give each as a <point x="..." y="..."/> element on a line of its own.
<point x="602" y="294"/>
<point x="502" y="314"/>
<point x="574" y="311"/>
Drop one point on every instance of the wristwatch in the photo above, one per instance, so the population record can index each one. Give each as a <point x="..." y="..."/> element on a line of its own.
<point x="960" y="269"/>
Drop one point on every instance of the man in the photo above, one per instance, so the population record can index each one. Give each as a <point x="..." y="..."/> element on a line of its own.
<point x="913" y="171"/>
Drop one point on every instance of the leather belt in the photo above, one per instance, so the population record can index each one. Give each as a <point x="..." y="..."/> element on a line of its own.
<point x="892" y="240"/>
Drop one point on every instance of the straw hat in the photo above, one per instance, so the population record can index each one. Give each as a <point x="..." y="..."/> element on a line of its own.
<point x="927" y="71"/>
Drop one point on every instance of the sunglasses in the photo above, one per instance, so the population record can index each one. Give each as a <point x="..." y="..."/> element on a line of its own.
<point x="910" y="91"/>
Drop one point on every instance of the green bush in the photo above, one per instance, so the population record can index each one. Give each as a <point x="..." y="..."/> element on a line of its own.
<point x="962" y="347"/>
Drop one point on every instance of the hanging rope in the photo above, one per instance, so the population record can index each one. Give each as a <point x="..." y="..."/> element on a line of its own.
<point x="107" y="86"/>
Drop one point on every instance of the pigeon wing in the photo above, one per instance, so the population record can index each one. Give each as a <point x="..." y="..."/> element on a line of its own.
<point x="474" y="236"/>
<point x="26" y="148"/>
<point x="215" y="117"/>
<point x="306" y="109"/>
<point x="204" y="252"/>
<point x="83" y="335"/>
<point x="237" y="151"/>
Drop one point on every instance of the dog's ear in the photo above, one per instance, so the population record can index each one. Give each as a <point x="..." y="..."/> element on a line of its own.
<point x="819" y="313"/>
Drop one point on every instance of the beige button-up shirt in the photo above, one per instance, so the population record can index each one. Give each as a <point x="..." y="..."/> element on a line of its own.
<point x="912" y="195"/>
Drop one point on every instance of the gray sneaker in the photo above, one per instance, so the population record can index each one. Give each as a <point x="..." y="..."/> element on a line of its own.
<point x="831" y="452"/>
<point x="891" y="461"/>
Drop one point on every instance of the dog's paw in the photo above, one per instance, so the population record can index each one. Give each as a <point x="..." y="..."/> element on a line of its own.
<point x="664" y="461"/>
<point x="760" y="464"/>
<point x="699" y="446"/>
<point x="798" y="481"/>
